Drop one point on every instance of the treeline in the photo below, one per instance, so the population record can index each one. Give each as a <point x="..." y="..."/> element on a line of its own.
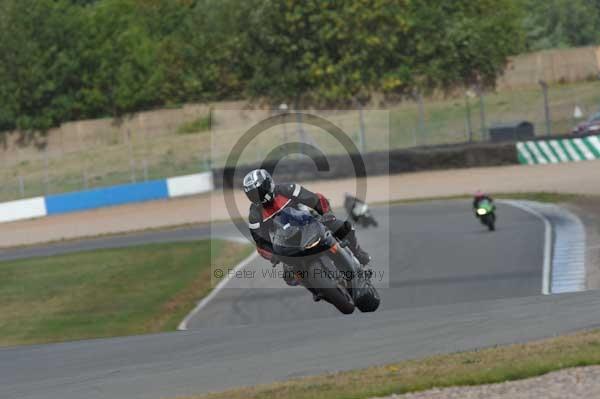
<point x="561" y="23"/>
<point x="64" y="60"/>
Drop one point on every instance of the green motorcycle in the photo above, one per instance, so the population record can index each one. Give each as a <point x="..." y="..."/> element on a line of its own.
<point x="486" y="212"/>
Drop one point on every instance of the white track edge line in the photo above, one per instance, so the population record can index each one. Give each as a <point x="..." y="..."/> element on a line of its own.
<point x="204" y="301"/>
<point x="547" y="271"/>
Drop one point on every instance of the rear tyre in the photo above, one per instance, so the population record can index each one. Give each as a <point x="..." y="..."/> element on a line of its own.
<point x="329" y="289"/>
<point x="492" y="222"/>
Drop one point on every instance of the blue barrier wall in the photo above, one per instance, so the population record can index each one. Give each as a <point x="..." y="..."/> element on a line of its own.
<point x="108" y="196"/>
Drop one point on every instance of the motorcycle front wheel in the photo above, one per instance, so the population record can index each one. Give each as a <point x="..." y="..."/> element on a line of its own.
<point x="369" y="302"/>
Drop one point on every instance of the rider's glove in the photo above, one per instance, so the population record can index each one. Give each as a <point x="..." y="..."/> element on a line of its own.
<point x="328" y="218"/>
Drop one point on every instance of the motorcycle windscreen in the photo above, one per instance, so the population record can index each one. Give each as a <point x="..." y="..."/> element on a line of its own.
<point x="293" y="230"/>
<point x="486" y="204"/>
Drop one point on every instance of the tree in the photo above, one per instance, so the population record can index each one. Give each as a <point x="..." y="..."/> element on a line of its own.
<point x="332" y="51"/>
<point x="561" y="23"/>
<point x="38" y="63"/>
<point x="70" y="59"/>
<point x="323" y="51"/>
<point x="205" y="58"/>
<point x="462" y="42"/>
<point x="118" y="61"/>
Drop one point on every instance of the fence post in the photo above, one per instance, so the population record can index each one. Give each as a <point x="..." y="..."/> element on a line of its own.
<point x="546" y="107"/>
<point x="468" y="117"/>
<point x="299" y="127"/>
<point x="21" y="186"/>
<point x="131" y="160"/>
<point x="206" y="164"/>
<point x="482" y="113"/>
<point x="145" y="165"/>
<point x="421" y="117"/>
<point x="85" y="179"/>
<point x="46" y="177"/>
<point x="362" y="136"/>
<point x="283" y="109"/>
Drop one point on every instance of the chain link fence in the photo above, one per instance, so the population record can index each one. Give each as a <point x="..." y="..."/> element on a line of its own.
<point x="468" y="118"/>
<point x="105" y="159"/>
<point x="92" y="156"/>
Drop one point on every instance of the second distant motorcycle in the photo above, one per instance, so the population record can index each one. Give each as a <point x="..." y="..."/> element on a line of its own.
<point x="359" y="212"/>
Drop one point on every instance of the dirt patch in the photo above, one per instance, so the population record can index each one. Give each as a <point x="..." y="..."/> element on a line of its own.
<point x="581" y="382"/>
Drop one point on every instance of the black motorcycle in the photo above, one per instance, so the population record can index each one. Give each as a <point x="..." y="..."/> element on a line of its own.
<point x="359" y="212"/>
<point x="321" y="263"/>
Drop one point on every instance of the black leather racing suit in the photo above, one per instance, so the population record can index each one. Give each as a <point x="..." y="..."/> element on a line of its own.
<point x="259" y="220"/>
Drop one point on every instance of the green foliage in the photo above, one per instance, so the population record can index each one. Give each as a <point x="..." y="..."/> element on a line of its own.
<point x="329" y="51"/>
<point x="338" y="50"/>
<point x="118" y="56"/>
<point x="562" y="23"/>
<point x="463" y="41"/>
<point x="39" y="66"/>
<point x="70" y="59"/>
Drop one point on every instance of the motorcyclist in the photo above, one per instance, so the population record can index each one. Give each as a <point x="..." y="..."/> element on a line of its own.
<point x="480" y="196"/>
<point x="350" y="203"/>
<point x="268" y="198"/>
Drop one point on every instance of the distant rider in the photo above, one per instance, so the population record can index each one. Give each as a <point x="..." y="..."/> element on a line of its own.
<point x="480" y="196"/>
<point x="350" y="204"/>
<point x="267" y="199"/>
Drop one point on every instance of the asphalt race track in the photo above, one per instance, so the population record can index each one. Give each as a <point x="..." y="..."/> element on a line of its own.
<point x="452" y="286"/>
<point x="429" y="253"/>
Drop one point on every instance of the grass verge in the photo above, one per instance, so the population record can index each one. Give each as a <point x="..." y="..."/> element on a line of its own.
<point x="485" y="366"/>
<point x="104" y="293"/>
<point x="198" y="125"/>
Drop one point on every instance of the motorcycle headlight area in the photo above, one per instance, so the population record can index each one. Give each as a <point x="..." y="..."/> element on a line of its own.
<point x="313" y="244"/>
<point x="481" y="211"/>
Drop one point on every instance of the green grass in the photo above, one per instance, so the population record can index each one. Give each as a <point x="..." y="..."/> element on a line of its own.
<point x="485" y="366"/>
<point x="107" y="293"/>
<point x="198" y="125"/>
<point x="445" y="119"/>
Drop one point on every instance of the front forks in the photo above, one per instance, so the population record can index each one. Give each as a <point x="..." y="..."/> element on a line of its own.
<point x="341" y="256"/>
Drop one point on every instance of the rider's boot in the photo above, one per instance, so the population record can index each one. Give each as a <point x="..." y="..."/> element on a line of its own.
<point x="363" y="257"/>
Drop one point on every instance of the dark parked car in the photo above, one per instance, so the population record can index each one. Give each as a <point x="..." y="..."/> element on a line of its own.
<point x="592" y="125"/>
